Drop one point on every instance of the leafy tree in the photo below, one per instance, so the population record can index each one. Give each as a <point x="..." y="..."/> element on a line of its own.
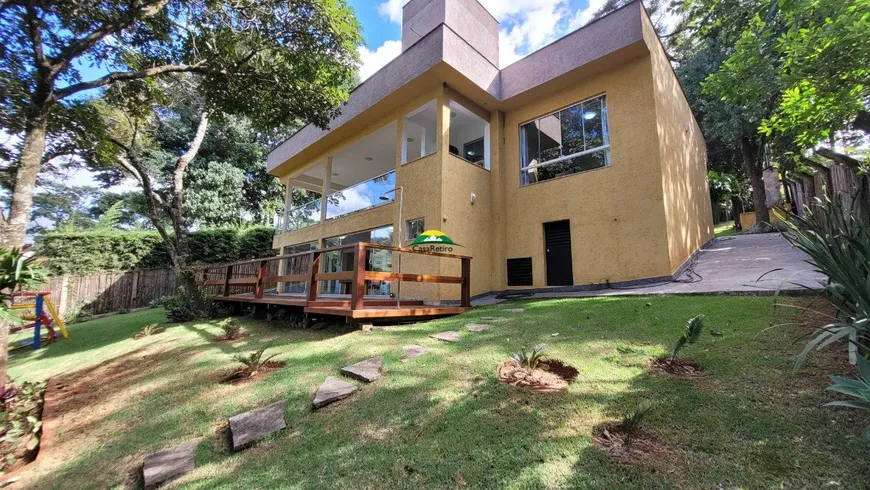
<point x="273" y="60"/>
<point x="57" y="205"/>
<point x="825" y="70"/>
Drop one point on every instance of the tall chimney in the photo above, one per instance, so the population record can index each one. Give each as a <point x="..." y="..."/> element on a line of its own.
<point x="467" y="18"/>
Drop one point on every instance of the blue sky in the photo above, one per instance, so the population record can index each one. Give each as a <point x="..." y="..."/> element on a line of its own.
<point x="524" y="25"/>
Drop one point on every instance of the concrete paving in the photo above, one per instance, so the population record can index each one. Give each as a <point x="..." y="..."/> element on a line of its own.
<point x="731" y="265"/>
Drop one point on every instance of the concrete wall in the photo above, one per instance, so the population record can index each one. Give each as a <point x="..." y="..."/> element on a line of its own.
<point x="618" y="226"/>
<point x="683" y="155"/>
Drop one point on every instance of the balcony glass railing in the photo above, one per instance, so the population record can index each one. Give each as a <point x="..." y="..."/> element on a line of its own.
<point x="365" y="195"/>
<point x="301" y="216"/>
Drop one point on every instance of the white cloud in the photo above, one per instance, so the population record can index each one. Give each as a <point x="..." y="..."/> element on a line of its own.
<point x="373" y="61"/>
<point x="392" y="10"/>
<point x="530" y="25"/>
<point x="583" y="16"/>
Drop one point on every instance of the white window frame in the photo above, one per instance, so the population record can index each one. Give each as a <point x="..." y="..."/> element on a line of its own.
<point x="605" y="147"/>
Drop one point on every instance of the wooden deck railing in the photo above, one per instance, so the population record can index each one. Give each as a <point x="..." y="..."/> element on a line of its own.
<point x="252" y="276"/>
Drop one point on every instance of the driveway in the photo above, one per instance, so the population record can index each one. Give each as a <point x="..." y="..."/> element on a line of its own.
<point x="728" y="265"/>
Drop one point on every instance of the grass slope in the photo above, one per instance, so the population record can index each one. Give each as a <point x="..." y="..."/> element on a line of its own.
<point x="444" y="420"/>
<point x="725" y="229"/>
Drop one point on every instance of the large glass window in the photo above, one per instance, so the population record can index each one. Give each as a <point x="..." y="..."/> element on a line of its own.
<point x="469" y="135"/>
<point x="572" y="140"/>
<point x="418" y="132"/>
<point x="297" y="265"/>
<point x="342" y="260"/>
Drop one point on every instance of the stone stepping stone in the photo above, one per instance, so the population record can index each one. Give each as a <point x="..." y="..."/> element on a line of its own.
<point x="446" y="336"/>
<point x="477" y="327"/>
<point x="169" y="463"/>
<point x="368" y="370"/>
<point x="333" y="390"/>
<point x="248" y="427"/>
<point x="515" y="310"/>
<point x="410" y="352"/>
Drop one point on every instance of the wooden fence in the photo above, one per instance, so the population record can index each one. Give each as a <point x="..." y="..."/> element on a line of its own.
<point x="109" y="292"/>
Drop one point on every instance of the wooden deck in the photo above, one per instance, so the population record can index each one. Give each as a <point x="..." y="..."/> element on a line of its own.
<point x="255" y="281"/>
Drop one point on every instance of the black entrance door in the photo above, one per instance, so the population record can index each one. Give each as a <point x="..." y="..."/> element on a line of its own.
<point x="557" y="238"/>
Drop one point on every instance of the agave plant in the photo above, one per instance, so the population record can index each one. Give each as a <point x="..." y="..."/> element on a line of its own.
<point x="253" y="362"/>
<point x="529" y="359"/>
<point x="858" y="389"/>
<point x="149" y="330"/>
<point x="690" y="336"/>
<point x="837" y="243"/>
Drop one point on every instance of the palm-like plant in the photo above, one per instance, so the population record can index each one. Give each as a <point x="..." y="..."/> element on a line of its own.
<point x="529" y="359"/>
<point x="858" y="389"/>
<point x="633" y="421"/>
<point x="690" y="336"/>
<point x="149" y="330"/>
<point x="253" y="362"/>
<point x="16" y="273"/>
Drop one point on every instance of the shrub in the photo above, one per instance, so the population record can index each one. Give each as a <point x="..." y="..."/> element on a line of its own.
<point x="96" y="251"/>
<point x="232" y="329"/>
<point x="253" y="362"/>
<point x="858" y="389"/>
<point x="529" y="359"/>
<point x="690" y="336"/>
<point x="149" y="330"/>
<point x="20" y="420"/>
<point x="838" y="245"/>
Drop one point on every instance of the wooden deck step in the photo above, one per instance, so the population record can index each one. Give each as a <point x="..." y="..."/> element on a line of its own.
<point x="370" y="313"/>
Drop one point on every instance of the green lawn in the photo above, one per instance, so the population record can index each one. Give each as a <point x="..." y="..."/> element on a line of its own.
<point x="725" y="229"/>
<point x="444" y="420"/>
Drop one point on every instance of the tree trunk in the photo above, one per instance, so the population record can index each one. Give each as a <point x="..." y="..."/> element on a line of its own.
<point x="14" y="229"/>
<point x="4" y="351"/>
<point x="736" y="209"/>
<point x="751" y="159"/>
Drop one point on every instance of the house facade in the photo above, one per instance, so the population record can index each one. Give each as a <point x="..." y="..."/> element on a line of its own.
<point x="580" y="164"/>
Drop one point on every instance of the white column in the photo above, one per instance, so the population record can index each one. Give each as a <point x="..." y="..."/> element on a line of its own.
<point x="327" y="188"/>
<point x="422" y="141"/>
<point x="288" y="205"/>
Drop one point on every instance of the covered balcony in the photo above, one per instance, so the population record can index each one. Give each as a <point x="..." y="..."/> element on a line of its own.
<point x="352" y="180"/>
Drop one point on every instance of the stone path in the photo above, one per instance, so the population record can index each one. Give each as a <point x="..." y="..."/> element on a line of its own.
<point x="368" y="370"/>
<point x="477" y="327"/>
<point x="410" y="352"/>
<point x="170" y="463"/>
<point x="333" y="390"/>
<point x="248" y="427"/>
<point x="446" y="336"/>
<point x="514" y="310"/>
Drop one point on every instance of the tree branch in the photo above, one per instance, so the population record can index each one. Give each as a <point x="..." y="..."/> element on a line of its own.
<point x="132" y="75"/>
<point x="839" y="157"/>
<point x="138" y="11"/>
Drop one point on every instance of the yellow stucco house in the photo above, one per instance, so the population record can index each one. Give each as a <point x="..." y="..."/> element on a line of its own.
<point x="577" y="166"/>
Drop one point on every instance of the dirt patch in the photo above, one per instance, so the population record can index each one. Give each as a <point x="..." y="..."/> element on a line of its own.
<point x="551" y="375"/>
<point x="625" y="449"/>
<point x="231" y="338"/>
<point x="242" y="376"/>
<point x="682" y="368"/>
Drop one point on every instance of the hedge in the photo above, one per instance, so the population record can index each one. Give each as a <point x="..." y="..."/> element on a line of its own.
<point x="88" y="252"/>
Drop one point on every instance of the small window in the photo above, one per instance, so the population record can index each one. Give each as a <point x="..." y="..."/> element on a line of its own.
<point x="418" y="132"/>
<point x="473" y="151"/>
<point x="575" y="139"/>
<point x="415" y="228"/>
